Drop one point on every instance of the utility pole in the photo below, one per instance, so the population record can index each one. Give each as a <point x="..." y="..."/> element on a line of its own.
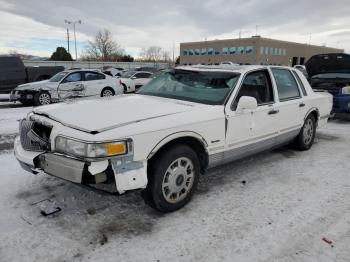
<point x="256" y="30"/>
<point x="66" y="22"/>
<point x="68" y="38"/>
<point x="75" y="38"/>
<point x="174" y="53"/>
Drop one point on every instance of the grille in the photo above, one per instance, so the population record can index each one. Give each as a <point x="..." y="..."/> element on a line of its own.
<point x="34" y="136"/>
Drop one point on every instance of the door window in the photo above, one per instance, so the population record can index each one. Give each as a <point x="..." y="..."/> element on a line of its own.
<point x="142" y="75"/>
<point x="91" y="76"/>
<point x="258" y="85"/>
<point x="286" y="85"/>
<point x="74" y="77"/>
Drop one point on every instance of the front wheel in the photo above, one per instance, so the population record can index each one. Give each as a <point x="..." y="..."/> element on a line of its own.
<point x="42" y="98"/>
<point x="173" y="179"/>
<point x="306" y="137"/>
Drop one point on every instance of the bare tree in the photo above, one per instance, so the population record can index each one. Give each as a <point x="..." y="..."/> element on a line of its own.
<point x="152" y="54"/>
<point x="104" y="47"/>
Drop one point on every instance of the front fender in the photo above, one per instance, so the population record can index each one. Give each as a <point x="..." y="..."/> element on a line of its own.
<point x="174" y="136"/>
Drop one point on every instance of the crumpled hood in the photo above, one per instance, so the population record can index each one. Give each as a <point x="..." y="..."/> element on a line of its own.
<point x="98" y="115"/>
<point x="36" y="85"/>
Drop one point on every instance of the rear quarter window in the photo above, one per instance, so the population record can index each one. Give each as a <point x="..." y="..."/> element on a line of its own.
<point x="301" y="85"/>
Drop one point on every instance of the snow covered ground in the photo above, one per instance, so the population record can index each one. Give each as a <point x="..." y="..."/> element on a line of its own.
<point x="275" y="206"/>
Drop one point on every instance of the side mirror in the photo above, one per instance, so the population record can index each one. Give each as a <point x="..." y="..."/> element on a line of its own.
<point x="133" y="77"/>
<point x="246" y="103"/>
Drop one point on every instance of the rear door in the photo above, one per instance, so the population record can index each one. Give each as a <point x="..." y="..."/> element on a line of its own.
<point x="291" y="107"/>
<point x="69" y="83"/>
<point x="94" y="82"/>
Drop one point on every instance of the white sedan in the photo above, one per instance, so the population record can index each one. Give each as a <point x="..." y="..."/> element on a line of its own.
<point x="133" y="80"/>
<point x="67" y="84"/>
<point x="183" y="122"/>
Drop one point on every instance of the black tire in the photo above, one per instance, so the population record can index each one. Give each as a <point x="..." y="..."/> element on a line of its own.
<point x="42" y="98"/>
<point x="26" y="102"/>
<point x="108" y="90"/>
<point x="306" y="136"/>
<point x="161" y="193"/>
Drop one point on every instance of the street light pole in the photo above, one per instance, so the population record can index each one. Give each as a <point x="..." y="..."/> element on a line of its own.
<point x="66" y="21"/>
<point x="75" y="38"/>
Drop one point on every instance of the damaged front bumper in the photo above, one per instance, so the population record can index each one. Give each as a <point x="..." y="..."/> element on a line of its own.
<point x="123" y="171"/>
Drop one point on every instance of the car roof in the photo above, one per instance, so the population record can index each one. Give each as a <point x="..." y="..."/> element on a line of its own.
<point x="83" y="69"/>
<point x="229" y="68"/>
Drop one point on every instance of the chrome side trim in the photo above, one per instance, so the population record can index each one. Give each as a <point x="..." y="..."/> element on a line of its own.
<point x="252" y="139"/>
<point x="216" y="148"/>
<point x="290" y="128"/>
<point x="251" y="149"/>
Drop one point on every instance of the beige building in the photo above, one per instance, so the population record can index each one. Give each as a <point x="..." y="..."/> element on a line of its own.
<point x="255" y="50"/>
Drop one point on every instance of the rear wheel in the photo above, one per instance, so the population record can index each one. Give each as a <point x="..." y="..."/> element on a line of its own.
<point x="42" y="98"/>
<point x="107" y="91"/>
<point x="173" y="179"/>
<point x="306" y="137"/>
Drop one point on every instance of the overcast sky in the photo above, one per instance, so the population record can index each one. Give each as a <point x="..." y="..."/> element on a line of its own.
<point x="37" y="27"/>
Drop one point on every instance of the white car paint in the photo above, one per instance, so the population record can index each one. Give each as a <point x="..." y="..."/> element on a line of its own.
<point x="151" y="122"/>
<point x="135" y="80"/>
<point x="63" y="89"/>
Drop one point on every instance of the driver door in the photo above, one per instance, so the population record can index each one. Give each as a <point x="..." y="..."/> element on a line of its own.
<point x="68" y="84"/>
<point x="251" y="131"/>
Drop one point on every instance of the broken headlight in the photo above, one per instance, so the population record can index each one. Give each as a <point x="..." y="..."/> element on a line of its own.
<point x="84" y="149"/>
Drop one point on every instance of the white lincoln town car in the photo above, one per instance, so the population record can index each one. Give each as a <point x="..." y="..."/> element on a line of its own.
<point x="183" y="122"/>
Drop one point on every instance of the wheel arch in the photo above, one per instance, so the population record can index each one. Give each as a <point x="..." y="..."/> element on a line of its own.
<point x="314" y="111"/>
<point x="189" y="138"/>
<point x="107" y="87"/>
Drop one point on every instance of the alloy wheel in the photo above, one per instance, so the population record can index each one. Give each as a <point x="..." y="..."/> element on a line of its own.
<point x="178" y="180"/>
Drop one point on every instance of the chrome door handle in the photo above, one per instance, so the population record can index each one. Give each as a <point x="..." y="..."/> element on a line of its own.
<point x="273" y="112"/>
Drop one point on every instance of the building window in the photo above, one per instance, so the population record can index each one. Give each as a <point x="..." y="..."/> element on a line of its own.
<point x="262" y="49"/>
<point x="204" y="51"/>
<point x="225" y="50"/>
<point x="184" y="52"/>
<point x="249" y="50"/>
<point x="240" y="50"/>
<point x="190" y="52"/>
<point x="266" y="51"/>
<point x="280" y="51"/>
<point x="232" y="50"/>
<point x="197" y="52"/>
<point x="217" y="51"/>
<point x="271" y="50"/>
<point x="284" y="52"/>
<point x="276" y="51"/>
<point x="210" y="51"/>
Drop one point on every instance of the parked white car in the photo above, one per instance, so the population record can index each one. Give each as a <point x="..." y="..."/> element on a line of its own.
<point x="67" y="84"/>
<point x="177" y="126"/>
<point x="133" y="80"/>
<point x="114" y="71"/>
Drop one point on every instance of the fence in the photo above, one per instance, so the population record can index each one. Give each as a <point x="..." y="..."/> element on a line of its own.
<point x="93" y="64"/>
